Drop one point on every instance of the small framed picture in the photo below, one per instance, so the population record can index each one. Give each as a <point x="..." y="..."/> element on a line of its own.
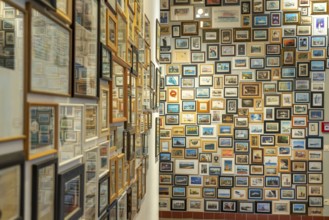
<point x="190" y="28"/>
<point x="212" y="51"/>
<point x="210" y="36"/>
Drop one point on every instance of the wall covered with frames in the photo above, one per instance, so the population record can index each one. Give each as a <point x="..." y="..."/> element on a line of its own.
<point x="79" y="95"/>
<point x="242" y="104"/>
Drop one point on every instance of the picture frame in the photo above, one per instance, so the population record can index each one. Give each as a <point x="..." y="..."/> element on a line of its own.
<point x="12" y="170"/>
<point x="71" y="179"/>
<point x="44" y="180"/>
<point x="85" y="84"/>
<point x="60" y="68"/>
<point x="103" y="195"/>
<point x="210" y="35"/>
<point x="42" y="142"/>
<point x="212" y="52"/>
<point x="181" y="13"/>
<point x="190" y="28"/>
<point x="227" y="16"/>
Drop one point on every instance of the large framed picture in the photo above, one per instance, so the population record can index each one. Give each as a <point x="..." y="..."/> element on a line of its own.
<point x="71" y="193"/>
<point x="12" y="77"/>
<point x="12" y="185"/>
<point x="42" y="130"/>
<point x="85" y="57"/>
<point x="44" y="189"/>
<point x="56" y="78"/>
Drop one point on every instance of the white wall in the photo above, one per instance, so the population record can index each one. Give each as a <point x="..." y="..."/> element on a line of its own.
<point x="150" y="203"/>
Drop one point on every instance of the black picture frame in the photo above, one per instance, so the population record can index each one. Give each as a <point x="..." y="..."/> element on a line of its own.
<point x="134" y="61"/>
<point x="11" y="160"/>
<point x="36" y="186"/>
<point x="100" y="181"/>
<point x="103" y="64"/>
<point x="113" y="210"/>
<point x="263" y="202"/>
<point x="77" y="171"/>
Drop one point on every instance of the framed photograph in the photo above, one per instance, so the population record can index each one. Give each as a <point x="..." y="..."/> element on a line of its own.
<point x="212" y="205"/>
<point x="71" y="192"/>
<point x="260" y="21"/>
<point x="44" y="187"/>
<point x="241" y="34"/>
<point x="227" y="50"/>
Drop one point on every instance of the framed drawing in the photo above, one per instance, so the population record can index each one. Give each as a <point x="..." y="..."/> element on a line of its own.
<point x="12" y="185"/>
<point x="12" y="77"/>
<point x="70" y="132"/>
<point x="71" y="193"/>
<point x="42" y="130"/>
<point x="44" y="189"/>
<point x="56" y="78"/>
<point x="85" y="57"/>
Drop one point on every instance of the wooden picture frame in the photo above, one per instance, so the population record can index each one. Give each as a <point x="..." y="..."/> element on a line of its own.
<point x="42" y="80"/>
<point x="44" y="114"/>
